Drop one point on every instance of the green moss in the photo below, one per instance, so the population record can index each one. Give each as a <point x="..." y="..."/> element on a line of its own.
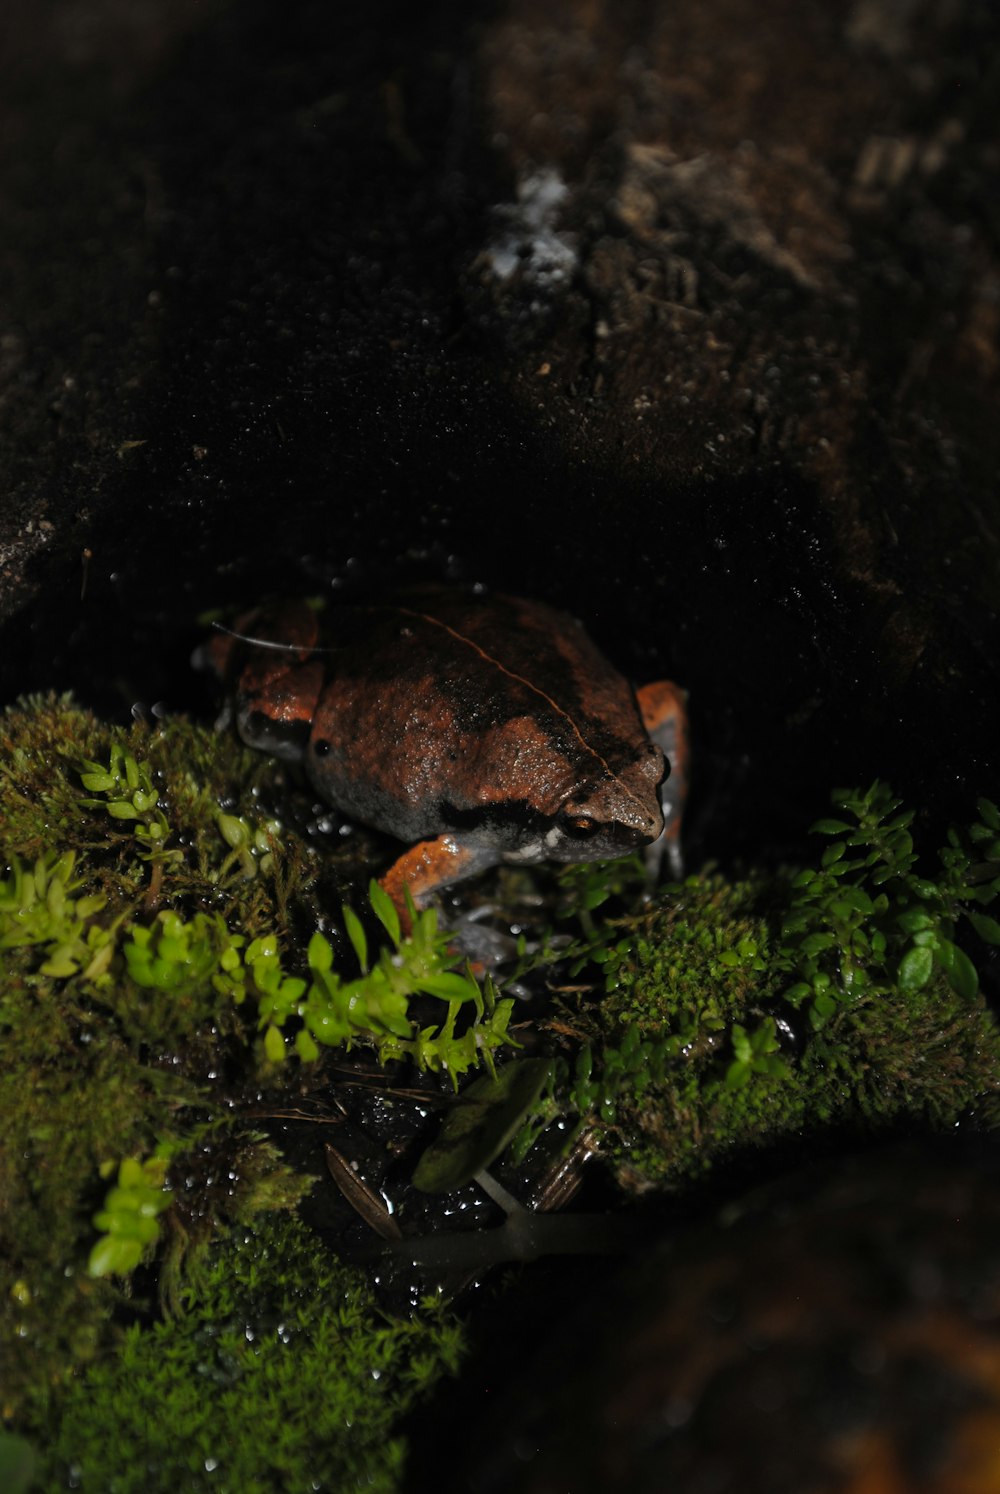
<point x="97" y="1069"/>
<point x="931" y="1055"/>
<point x="735" y="1014"/>
<point x="281" y="1375"/>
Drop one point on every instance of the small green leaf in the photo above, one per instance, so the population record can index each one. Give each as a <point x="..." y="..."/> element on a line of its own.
<point x="305" y="1046"/>
<point x="822" y="1010"/>
<point x="915" y="968"/>
<point x="319" y="954"/>
<point x="989" y="812"/>
<point x="232" y="830"/>
<point x="738" y="1074"/>
<point x="385" y="910"/>
<point x="987" y="928"/>
<point x="486" y="1117"/>
<point x="741" y="1044"/>
<point x="274" y="1045"/>
<point x="914" y="919"/>
<point x="962" y="974"/>
<point x="97" y="783"/>
<point x="121" y="810"/>
<point x="114" y="1255"/>
<point x="448" y="986"/>
<point x="356" y="934"/>
<point x="131" y="1174"/>
<point x="816" y="943"/>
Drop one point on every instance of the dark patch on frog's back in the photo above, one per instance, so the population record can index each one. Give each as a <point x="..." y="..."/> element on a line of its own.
<point x="491" y="663"/>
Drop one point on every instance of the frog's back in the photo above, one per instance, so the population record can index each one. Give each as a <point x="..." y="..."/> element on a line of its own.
<point x="493" y="660"/>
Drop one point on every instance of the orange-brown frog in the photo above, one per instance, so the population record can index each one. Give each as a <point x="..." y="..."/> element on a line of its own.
<point x="478" y="729"/>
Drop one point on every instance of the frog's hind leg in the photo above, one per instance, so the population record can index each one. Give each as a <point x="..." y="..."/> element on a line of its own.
<point x="664" y="714"/>
<point x="428" y="867"/>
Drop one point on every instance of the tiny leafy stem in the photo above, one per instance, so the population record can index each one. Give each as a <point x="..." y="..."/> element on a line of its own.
<point x="41" y="910"/>
<point x="866" y="920"/>
<point x="325" y="1010"/>
<point x="129" y="1221"/>
<point x="124" y="789"/>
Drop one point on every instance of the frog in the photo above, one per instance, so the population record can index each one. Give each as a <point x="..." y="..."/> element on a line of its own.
<point x="478" y="729"/>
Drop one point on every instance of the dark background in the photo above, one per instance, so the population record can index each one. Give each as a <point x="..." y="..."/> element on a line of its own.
<point x="735" y="406"/>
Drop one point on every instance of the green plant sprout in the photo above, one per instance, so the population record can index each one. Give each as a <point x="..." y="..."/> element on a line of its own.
<point x="252" y="846"/>
<point x="376" y="1005"/>
<point x="171" y="955"/>
<point x="126" y="792"/>
<point x="323" y="1010"/>
<point x="129" y="1221"/>
<point x="755" y="1053"/>
<point x="125" y="789"/>
<point x="38" y="907"/>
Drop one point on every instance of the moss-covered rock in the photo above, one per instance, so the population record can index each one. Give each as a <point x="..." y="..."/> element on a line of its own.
<point x="737" y="1014"/>
<point x="100" y="1068"/>
<point x="701" y="1055"/>
<point x="281" y="1374"/>
<point x="147" y="905"/>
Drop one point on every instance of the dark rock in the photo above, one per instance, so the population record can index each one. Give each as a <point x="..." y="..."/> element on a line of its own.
<point x="839" y="1331"/>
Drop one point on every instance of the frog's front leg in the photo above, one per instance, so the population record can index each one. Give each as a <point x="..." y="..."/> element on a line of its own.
<point x="664" y="714"/>
<point x="431" y="865"/>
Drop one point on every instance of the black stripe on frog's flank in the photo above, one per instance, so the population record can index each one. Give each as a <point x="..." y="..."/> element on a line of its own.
<point x="516" y="812"/>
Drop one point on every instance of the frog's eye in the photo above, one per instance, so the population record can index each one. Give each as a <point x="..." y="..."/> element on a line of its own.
<point x="579" y="826"/>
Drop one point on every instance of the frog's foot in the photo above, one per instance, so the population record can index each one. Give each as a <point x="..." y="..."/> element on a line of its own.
<point x="664" y="714"/>
<point x="486" y="946"/>
<point x="429" y="867"/>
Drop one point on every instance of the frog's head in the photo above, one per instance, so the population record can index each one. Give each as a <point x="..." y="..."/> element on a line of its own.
<point x="612" y="813"/>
